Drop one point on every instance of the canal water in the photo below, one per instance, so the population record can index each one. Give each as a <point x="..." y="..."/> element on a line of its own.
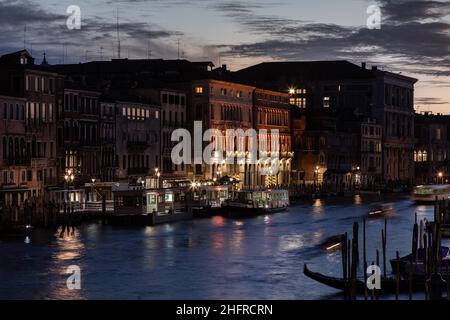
<point x="214" y="258"/>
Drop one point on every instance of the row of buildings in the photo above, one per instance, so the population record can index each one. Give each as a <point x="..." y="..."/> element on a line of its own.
<point x="341" y="126"/>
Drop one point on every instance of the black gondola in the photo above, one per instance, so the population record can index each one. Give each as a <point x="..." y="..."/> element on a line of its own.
<point x="388" y="285"/>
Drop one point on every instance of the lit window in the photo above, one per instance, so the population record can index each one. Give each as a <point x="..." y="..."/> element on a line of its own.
<point x="199" y="90"/>
<point x="157" y="115"/>
<point x="326" y="102"/>
<point x="291" y="91"/>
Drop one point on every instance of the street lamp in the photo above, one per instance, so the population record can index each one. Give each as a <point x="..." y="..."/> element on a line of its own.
<point x="440" y="175"/>
<point x="93" y="188"/>
<point x="316" y="177"/>
<point x="158" y="175"/>
<point x="69" y="177"/>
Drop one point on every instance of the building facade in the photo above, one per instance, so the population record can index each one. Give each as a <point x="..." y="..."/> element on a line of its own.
<point x="345" y="90"/>
<point x="137" y="140"/>
<point x="109" y="159"/>
<point x="371" y="167"/>
<point x="42" y="90"/>
<point x="272" y="111"/>
<point x="16" y="177"/>
<point x="79" y="141"/>
<point x="432" y="148"/>
<point x="222" y="105"/>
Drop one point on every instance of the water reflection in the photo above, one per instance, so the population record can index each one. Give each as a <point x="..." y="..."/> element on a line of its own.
<point x="292" y="242"/>
<point x="217" y="258"/>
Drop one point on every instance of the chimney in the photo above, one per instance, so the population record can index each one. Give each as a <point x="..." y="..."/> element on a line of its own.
<point x="374" y="68"/>
<point x="224" y="67"/>
<point x="363" y="65"/>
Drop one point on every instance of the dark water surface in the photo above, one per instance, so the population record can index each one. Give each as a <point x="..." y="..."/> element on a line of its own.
<point x="216" y="258"/>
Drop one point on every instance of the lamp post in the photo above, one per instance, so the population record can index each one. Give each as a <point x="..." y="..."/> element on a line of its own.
<point x="93" y="188"/>
<point x="157" y="174"/>
<point x="69" y="177"/>
<point x="440" y="176"/>
<point x="316" y="178"/>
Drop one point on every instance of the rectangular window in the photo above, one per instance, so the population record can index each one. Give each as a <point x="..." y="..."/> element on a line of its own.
<point x="199" y="90"/>
<point x="326" y="102"/>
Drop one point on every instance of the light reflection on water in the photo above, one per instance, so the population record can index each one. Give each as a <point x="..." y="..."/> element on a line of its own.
<point x="217" y="258"/>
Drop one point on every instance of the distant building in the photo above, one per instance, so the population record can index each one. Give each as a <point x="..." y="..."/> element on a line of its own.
<point x="343" y="89"/>
<point x="432" y="148"/>
<point x="137" y="140"/>
<point x="222" y="105"/>
<point x="371" y="167"/>
<point x="42" y="90"/>
<point x="109" y="159"/>
<point x="79" y="144"/>
<point x="15" y="162"/>
<point x="173" y="104"/>
<point x="272" y="111"/>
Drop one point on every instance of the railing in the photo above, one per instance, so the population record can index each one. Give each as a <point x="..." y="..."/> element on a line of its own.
<point x="97" y="206"/>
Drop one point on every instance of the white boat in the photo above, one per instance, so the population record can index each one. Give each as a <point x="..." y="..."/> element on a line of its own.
<point x="428" y="193"/>
<point x="255" y="202"/>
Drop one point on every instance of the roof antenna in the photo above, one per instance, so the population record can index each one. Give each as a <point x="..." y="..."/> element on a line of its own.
<point x="178" y="49"/>
<point x="118" y="35"/>
<point x="24" y="37"/>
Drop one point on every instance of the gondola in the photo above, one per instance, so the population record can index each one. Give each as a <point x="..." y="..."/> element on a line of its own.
<point x="388" y="285"/>
<point x="402" y="265"/>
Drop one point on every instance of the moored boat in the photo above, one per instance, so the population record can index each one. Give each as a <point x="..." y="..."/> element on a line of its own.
<point x="257" y="202"/>
<point x="428" y="193"/>
<point x="406" y="264"/>
<point x="388" y="285"/>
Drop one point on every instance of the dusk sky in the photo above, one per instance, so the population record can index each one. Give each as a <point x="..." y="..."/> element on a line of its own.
<point x="414" y="37"/>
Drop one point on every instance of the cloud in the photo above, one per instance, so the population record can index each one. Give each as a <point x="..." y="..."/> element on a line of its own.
<point x="47" y="31"/>
<point x="429" y="101"/>
<point x="285" y="39"/>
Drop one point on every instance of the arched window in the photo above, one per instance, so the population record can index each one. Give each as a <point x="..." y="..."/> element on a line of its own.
<point x="5" y="148"/>
<point x="10" y="148"/>
<point x="425" y="156"/>
<point x="16" y="148"/>
<point x="23" y="147"/>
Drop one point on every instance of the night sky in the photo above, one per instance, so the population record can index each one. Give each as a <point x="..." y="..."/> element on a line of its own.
<point x="414" y="37"/>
